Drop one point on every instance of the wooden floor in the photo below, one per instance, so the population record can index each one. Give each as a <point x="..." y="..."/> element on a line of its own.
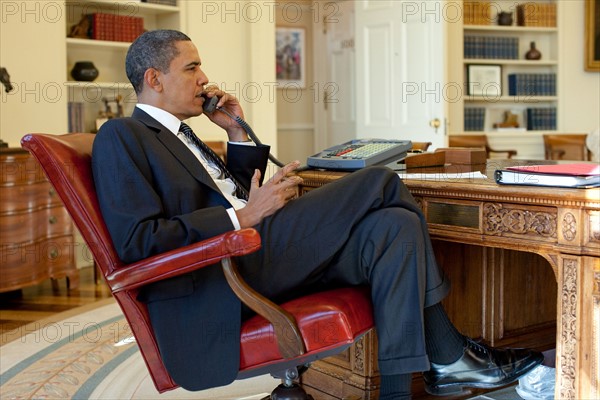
<point x="44" y="300"/>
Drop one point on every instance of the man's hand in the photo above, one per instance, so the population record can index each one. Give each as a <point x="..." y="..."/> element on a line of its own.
<point x="232" y="105"/>
<point x="266" y="199"/>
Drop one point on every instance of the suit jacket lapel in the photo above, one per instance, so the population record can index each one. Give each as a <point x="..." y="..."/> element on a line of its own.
<point x="173" y="145"/>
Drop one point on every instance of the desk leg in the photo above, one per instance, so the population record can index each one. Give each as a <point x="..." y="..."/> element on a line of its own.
<point x="578" y="335"/>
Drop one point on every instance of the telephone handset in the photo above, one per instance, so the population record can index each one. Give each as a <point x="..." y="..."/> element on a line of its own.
<point x="210" y="106"/>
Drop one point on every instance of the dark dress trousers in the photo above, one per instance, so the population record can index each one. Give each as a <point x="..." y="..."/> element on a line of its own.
<point x="364" y="229"/>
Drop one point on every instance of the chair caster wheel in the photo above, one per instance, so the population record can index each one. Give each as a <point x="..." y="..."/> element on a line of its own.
<point x="294" y="392"/>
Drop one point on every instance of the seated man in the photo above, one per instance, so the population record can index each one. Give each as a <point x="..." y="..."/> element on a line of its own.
<point x="160" y="188"/>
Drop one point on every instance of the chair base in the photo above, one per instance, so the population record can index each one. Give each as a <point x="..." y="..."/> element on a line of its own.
<point x="293" y="392"/>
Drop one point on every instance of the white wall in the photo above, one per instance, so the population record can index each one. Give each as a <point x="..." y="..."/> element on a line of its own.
<point x="580" y="92"/>
<point x="33" y="50"/>
<point x="236" y="42"/>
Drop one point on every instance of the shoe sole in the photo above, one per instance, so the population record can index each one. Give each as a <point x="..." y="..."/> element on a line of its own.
<point x="456" y="389"/>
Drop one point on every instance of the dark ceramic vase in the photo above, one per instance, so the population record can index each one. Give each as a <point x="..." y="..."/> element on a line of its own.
<point x="533" y="53"/>
<point x="84" y="71"/>
<point x="505" y="18"/>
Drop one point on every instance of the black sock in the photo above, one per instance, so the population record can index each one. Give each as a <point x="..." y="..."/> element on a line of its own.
<point x="395" y="387"/>
<point x="445" y="344"/>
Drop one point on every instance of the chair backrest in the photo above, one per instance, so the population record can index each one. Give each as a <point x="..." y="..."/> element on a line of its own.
<point x="479" y="141"/>
<point x="566" y="147"/>
<point x="67" y="162"/>
<point x="474" y="141"/>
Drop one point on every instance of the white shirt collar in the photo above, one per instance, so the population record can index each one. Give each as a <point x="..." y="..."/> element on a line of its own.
<point x="171" y="122"/>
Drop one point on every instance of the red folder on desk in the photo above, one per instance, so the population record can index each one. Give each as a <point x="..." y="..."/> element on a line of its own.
<point x="576" y="175"/>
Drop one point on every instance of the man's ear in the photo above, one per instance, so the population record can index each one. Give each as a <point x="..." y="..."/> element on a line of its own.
<point x="152" y="79"/>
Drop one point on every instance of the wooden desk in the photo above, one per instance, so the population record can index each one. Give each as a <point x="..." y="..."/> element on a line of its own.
<point x="497" y="243"/>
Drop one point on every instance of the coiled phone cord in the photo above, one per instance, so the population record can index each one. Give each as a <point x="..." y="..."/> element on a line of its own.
<point x="250" y="133"/>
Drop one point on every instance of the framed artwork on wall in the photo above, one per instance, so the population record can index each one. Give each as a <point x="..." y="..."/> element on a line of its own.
<point x="290" y="59"/>
<point x="592" y="35"/>
<point x="484" y="80"/>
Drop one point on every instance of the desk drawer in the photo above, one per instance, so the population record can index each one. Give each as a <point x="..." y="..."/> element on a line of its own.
<point x="26" y="264"/>
<point x="27" y="197"/>
<point x="455" y="215"/>
<point x="492" y="219"/>
<point x="29" y="227"/>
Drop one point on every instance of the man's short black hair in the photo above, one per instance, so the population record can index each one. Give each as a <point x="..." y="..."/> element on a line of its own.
<point x="152" y="49"/>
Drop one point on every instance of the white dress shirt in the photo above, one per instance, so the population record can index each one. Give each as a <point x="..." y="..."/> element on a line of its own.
<point x="225" y="185"/>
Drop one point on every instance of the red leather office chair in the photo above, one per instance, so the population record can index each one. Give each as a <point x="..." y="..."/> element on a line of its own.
<point x="306" y="329"/>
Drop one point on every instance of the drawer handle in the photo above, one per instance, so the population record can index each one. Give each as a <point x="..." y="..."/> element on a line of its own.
<point x="51" y="192"/>
<point x="52" y="219"/>
<point x="53" y="254"/>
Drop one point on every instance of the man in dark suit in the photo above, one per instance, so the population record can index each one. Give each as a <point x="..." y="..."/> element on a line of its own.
<point x="160" y="189"/>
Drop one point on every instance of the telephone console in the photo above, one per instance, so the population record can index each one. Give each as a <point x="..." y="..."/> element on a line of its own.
<point x="360" y="153"/>
<point x="349" y="156"/>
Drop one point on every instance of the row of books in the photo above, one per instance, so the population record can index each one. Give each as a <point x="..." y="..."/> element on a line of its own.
<point x="476" y="13"/>
<point x="76" y="123"/>
<point x="474" y="118"/>
<point x="491" y="47"/>
<point x="541" y="119"/>
<point x="528" y="14"/>
<point x="118" y="28"/>
<point x="537" y="119"/>
<point x="536" y="14"/>
<point x="532" y="84"/>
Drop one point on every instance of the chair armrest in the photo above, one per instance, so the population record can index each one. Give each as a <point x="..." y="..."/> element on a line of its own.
<point x="509" y="153"/>
<point x="287" y="332"/>
<point x="184" y="260"/>
<point x="208" y="252"/>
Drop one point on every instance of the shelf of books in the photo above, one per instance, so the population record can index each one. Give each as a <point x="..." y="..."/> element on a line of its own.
<point x="510" y="66"/>
<point x="99" y="33"/>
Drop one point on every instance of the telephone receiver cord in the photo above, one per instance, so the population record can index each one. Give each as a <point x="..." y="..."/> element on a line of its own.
<point x="250" y="133"/>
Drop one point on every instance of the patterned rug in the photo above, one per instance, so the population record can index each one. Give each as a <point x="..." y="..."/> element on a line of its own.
<point x="92" y="355"/>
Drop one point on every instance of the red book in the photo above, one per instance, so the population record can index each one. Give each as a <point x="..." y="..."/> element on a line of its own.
<point x="573" y="169"/>
<point x="572" y="175"/>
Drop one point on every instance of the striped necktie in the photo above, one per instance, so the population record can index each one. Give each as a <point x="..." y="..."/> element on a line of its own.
<point x="240" y="191"/>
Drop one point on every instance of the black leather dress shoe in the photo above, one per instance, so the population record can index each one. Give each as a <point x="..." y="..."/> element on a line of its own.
<point x="480" y="367"/>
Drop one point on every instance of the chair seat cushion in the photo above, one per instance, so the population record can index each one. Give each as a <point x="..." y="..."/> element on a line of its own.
<point x="327" y="320"/>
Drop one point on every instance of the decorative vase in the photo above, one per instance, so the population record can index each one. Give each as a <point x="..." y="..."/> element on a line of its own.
<point x="533" y="53"/>
<point x="84" y="71"/>
<point x="505" y="18"/>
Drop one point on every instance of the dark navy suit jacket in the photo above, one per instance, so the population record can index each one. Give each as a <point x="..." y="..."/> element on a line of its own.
<point x="155" y="196"/>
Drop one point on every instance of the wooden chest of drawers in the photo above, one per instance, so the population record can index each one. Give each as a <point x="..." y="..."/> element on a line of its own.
<point x="36" y="233"/>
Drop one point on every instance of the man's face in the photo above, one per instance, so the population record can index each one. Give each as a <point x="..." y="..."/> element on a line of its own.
<point x="184" y="83"/>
